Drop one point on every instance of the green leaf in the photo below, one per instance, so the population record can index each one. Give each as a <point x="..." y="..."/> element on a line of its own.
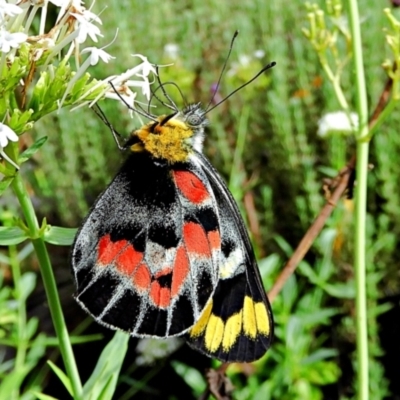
<point x="42" y="396"/>
<point x="27" y="284"/>
<point x="59" y="236"/>
<point x="341" y="290"/>
<point x="30" y="151"/>
<point x="190" y="375"/>
<point x="101" y="384"/>
<point x="63" y="377"/>
<point x="10" y="235"/>
<point x="31" y="327"/>
<point x="20" y="121"/>
<point x="53" y="341"/>
<point x="12" y="381"/>
<point x="323" y="373"/>
<point x="37" y="349"/>
<point x="5" y="183"/>
<point x="319" y="355"/>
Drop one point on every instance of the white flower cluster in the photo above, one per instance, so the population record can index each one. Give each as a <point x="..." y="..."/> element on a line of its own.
<point x="151" y="350"/>
<point x="337" y="122"/>
<point x="74" y="24"/>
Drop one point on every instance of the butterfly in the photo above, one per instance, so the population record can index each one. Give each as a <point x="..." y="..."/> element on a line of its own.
<point x="164" y="251"/>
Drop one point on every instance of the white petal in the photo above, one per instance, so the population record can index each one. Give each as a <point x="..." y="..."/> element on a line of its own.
<point x="9" y="9"/>
<point x="5" y="156"/>
<point x="6" y="134"/>
<point x="337" y="121"/>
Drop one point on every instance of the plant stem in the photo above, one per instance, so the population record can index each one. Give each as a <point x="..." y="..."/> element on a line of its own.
<point x="360" y="270"/>
<point x="361" y="203"/>
<point x="22" y="341"/>
<point x="49" y="284"/>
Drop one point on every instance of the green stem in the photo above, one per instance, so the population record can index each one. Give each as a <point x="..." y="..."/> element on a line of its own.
<point x="382" y="117"/>
<point x="335" y="80"/>
<point x="361" y="204"/>
<point x="360" y="271"/>
<point x="49" y="284"/>
<point x="22" y="344"/>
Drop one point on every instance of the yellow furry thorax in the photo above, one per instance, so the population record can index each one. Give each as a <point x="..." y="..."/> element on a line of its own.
<point x="169" y="141"/>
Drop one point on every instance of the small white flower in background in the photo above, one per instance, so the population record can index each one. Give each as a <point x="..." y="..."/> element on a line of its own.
<point x="10" y="40"/>
<point x="145" y="66"/>
<point x="338" y="122"/>
<point x="121" y="83"/>
<point x="96" y="54"/>
<point x="6" y="135"/>
<point x="144" y="84"/>
<point x="259" y="53"/>
<point x="150" y="350"/>
<point x="8" y="9"/>
<point x="86" y="27"/>
<point x="142" y="71"/>
<point x="171" y="50"/>
<point x="244" y="60"/>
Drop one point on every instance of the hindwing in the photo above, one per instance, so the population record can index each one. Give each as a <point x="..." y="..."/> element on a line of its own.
<point x="236" y="324"/>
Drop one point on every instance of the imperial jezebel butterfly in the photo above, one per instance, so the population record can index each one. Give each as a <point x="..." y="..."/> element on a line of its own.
<point x="164" y="251"/>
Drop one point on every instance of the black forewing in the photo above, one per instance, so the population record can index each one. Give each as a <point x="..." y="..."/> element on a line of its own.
<point x="139" y="213"/>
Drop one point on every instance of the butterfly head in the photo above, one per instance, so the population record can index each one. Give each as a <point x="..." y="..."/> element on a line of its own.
<point x="172" y="137"/>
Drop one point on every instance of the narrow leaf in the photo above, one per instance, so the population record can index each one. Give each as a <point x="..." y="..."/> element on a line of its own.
<point x="5" y="183"/>
<point x="103" y="381"/>
<point x="10" y="235"/>
<point x="30" y="151"/>
<point x="42" y="396"/>
<point x="60" y="236"/>
<point x="62" y="376"/>
<point x="12" y="381"/>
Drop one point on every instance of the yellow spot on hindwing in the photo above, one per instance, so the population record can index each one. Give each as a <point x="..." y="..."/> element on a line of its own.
<point x="249" y="318"/>
<point x="214" y="333"/>
<point x="250" y="322"/>
<point x="232" y="331"/>
<point x="168" y="141"/>
<point x="262" y="318"/>
<point x="201" y="324"/>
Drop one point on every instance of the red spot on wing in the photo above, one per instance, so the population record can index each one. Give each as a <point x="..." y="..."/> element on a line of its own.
<point x="191" y="186"/>
<point x="195" y="239"/>
<point x="163" y="272"/>
<point x="128" y="260"/>
<point x="161" y="296"/>
<point x="141" y="278"/>
<point x="215" y="239"/>
<point x="108" y="250"/>
<point x="180" y="270"/>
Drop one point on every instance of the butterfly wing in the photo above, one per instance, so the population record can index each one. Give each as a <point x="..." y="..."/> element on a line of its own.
<point x="145" y="259"/>
<point x="237" y="323"/>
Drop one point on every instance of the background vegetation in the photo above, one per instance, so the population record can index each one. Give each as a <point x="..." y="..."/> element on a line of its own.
<point x="264" y="142"/>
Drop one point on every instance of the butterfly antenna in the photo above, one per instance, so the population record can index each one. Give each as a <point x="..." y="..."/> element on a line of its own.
<point x="141" y="112"/>
<point x="269" y="66"/>
<point x="153" y="94"/>
<point x="161" y="85"/>
<point x="117" y="137"/>
<point x="222" y="71"/>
